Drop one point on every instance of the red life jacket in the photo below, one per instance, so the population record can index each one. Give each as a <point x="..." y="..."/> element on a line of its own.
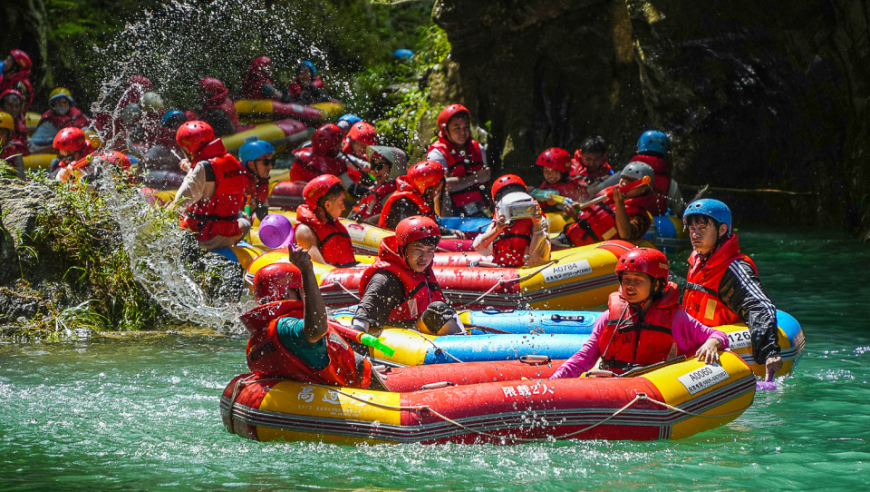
<point x="333" y="241"/>
<point x="658" y="203"/>
<point x="568" y="189"/>
<point x="509" y="247"/>
<point x="217" y="215"/>
<point x="297" y="87"/>
<point x="625" y="341"/>
<point x="253" y="82"/>
<point x="309" y="164"/>
<point x="461" y="163"/>
<point x="405" y="190"/>
<point x="598" y="222"/>
<point x="701" y="299"/>
<point x="580" y="174"/>
<point x="421" y="289"/>
<point x="12" y="81"/>
<point x="373" y="203"/>
<point x="268" y="358"/>
<point x="73" y="118"/>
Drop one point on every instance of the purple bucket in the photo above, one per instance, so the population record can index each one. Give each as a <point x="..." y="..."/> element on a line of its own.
<point x="276" y="231"/>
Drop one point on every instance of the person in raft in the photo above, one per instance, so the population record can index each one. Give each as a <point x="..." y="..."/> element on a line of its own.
<point x="257" y="83"/>
<point x="416" y="194"/>
<point x="589" y="165"/>
<point x="644" y="323"/>
<point x="61" y="114"/>
<point x="464" y="164"/>
<point x="218" y="109"/>
<point x="213" y="191"/>
<point x="12" y="102"/>
<point x="72" y="146"/>
<point x="400" y="287"/>
<point x="557" y="172"/>
<point x="258" y="157"/>
<point x="15" y="74"/>
<point x="289" y="334"/>
<point x="306" y="88"/>
<point x="318" y="230"/>
<point x="360" y="136"/>
<point x="622" y="215"/>
<point x="7" y="129"/>
<point x="323" y="157"/>
<point x="515" y="242"/>
<point x="370" y="206"/>
<point x="723" y="286"/>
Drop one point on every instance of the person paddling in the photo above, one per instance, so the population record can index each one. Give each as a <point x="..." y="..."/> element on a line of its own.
<point x="644" y="323"/>
<point x="723" y="286"/>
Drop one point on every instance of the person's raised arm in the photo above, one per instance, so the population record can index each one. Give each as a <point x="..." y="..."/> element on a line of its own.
<point x="315" y="309"/>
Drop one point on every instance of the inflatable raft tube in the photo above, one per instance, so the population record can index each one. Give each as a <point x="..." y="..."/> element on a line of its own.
<point x="283" y="132"/>
<point x="416" y="378"/>
<point x="264" y="110"/>
<point x="32" y="120"/>
<point x="673" y="402"/>
<point x="330" y="110"/>
<point x="579" y="278"/>
<point x="38" y="161"/>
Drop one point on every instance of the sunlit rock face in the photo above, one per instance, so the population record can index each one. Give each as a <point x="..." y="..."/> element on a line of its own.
<point x="754" y="94"/>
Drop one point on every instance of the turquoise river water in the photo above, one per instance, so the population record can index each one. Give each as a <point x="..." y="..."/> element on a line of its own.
<point x="141" y="413"/>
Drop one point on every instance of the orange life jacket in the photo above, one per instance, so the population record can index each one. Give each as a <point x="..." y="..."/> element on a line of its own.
<point x="217" y="215"/>
<point x="309" y="165"/>
<point x="658" y="203"/>
<point x="372" y="204"/>
<point x="627" y="341"/>
<point x="333" y="241"/>
<point x="421" y="289"/>
<point x="405" y="190"/>
<point x="509" y="247"/>
<point x="461" y="163"/>
<point x="701" y="299"/>
<point x="268" y="358"/>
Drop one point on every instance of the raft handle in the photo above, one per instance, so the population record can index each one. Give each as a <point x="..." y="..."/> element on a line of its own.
<point x="600" y="373"/>
<point x="559" y="317"/>
<point x="535" y="359"/>
<point x="493" y="310"/>
<point x="441" y="384"/>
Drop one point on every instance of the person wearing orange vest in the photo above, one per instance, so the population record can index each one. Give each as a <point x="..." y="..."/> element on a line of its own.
<point x="417" y="193"/>
<point x="621" y="215"/>
<point x="723" y="286"/>
<point x="358" y="138"/>
<point x="213" y="191"/>
<point x="323" y="157"/>
<point x="71" y="145"/>
<point x="556" y="164"/>
<point x="644" y="323"/>
<point x="318" y="230"/>
<point x="400" y="288"/>
<point x="519" y="242"/>
<point x="464" y="163"/>
<point x="290" y="336"/>
<point x="370" y="206"/>
<point x="589" y="165"/>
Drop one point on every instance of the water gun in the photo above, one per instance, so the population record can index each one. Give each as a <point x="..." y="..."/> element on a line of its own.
<point x="547" y="195"/>
<point x="363" y="338"/>
<point x="550" y="195"/>
<point x="81" y="163"/>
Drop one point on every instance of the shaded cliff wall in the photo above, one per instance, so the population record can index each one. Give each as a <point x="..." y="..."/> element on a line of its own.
<point x="754" y="94"/>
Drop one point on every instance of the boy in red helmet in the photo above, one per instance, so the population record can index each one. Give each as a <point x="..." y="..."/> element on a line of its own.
<point x="417" y="193"/>
<point x="319" y="231"/>
<point x="257" y="83"/>
<point x="218" y="109"/>
<point x="213" y="191"/>
<point x="72" y="146"/>
<point x="464" y="163"/>
<point x="322" y="158"/>
<point x="400" y="288"/>
<point x="644" y="323"/>
<point x="515" y="241"/>
<point x="289" y="333"/>
<point x="589" y="165"/>
<point x="556" y="164"/>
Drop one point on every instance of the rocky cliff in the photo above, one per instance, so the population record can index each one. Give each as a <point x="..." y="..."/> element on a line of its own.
<point x="756" y="95"/>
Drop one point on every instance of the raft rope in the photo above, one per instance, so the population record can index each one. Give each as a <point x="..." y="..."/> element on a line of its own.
<point x="437" y="348"/>
<point x="505" y="282"/>
<point x="336" y="282"/>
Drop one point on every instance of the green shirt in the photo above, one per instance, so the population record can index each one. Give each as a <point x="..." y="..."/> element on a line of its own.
<point x="292" y="337"/>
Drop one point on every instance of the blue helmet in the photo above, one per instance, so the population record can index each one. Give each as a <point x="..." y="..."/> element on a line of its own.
<point x="306" y="63"/>
<point x="714" y="209"/>
<point x="255" y="149"/>
<point x="350" y="118"/>
<point x="172" y="118"/>
<point x="403" y="54"/>
<point x="654" y="141"/>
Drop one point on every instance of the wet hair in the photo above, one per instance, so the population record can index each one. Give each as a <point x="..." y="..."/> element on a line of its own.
<point x="332" y="193"/>
<point x="508" y="189"/>
<point x="595" y="145"/>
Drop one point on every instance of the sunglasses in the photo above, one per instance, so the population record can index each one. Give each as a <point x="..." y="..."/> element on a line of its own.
<point x="266" y="162"/>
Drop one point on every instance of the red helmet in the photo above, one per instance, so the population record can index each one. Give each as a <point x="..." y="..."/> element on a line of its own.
<point x="644" y="260"/>
<point x="21" y="59"/>
<point x="116" y="158"/>
<point x="70" y="139"/>
<point x="212" y="86"/>
<point x="417" y="227"/>
<point x="272" y="282"/>
<point x="449" y="112"/>
<point x="261" y="62"/>
<point x="363" y="132"/>
<point x="426" y="174"/>
<point x="318" y="187"/>
<point x="326" y="138"/>
<point x="140" y="80"/>
<point x="194" y="135"/>
<point x="555" y="158"/>
<point x="507" y="180"/>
